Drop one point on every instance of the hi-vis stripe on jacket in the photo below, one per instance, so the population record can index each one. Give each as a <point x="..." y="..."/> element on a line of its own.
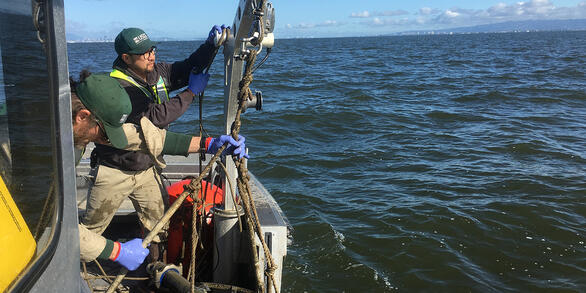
<point x="160" y="90"/>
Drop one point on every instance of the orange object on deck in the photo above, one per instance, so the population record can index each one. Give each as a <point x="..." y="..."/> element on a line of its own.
<point x="213" y="195"/>
<point x="181" y="222"/>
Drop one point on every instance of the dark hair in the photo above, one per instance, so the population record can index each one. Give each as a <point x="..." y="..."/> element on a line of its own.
<point x="76" y="104"/>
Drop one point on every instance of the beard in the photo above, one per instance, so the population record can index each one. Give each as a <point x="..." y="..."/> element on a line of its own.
<point x="150" y="68"/>
<point x="81" y="137"/>
<point x="79" y="141"/>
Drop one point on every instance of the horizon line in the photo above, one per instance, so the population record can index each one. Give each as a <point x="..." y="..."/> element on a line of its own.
<point x="417" y="33"/>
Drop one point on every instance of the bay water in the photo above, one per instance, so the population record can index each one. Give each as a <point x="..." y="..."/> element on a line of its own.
<point x="442" y="163"/>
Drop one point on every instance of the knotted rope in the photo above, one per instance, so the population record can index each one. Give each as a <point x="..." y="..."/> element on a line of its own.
<point x="243" y="180"/>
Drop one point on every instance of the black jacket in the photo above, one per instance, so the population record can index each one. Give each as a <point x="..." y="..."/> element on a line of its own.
<point x="176" y="76"/>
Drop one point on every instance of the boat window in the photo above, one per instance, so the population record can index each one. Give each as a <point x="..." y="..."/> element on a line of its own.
<point x="26" y="163"/>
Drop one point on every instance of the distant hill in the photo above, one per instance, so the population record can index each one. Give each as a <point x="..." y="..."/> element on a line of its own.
<point x="514" y="26"/>
<point x="75" y="38"/>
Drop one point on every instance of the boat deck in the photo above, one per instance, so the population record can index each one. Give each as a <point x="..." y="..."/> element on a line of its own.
<point x="125" y="224"/>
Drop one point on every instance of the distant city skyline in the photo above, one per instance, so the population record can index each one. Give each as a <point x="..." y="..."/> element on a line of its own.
<point x="189" y="20"/>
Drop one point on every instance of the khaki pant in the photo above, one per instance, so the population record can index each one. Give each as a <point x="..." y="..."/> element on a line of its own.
<point x="112" y="186"/>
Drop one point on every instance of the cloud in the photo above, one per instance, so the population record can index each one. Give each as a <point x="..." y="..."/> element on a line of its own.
<point x="455" y="16"/>
<point x="327" y="23"/>
<point x="451" y="14"/>
<point x="522" y="10"/>
<point x="533" y="9"/>
<point x="362" y="14"/>
<point x="428" y="17"/>
<point x="391" y="13"/>
<point x="570" y="12"/>
<point x="427" y="11"/>
<point x="378" y="21"/>
<point x="367" y="14"/>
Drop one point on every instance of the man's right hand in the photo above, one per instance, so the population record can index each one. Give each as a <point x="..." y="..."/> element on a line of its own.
<point x="132" y="254"/>
<point x="198" y="82"/>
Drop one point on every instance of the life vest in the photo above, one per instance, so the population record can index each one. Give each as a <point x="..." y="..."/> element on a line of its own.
<point x="159" y="89"/>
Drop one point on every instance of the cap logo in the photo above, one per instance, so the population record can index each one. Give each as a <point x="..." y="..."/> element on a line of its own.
<point x="140" y="38"/>
<point x="123" y="118"/>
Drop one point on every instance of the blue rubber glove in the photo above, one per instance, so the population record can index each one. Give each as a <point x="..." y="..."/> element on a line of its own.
<point x="198" y="82"/>
<point x="239" y="151"/>
<point x="234" y="147"/>
<point x="215" y="33"/>
<point x="132" y="254"/>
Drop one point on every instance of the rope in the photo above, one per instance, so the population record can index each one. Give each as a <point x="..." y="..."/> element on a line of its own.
<point x="194" y="240"/>
<point x="243" y="180"/>
<point x="112" y="277"/>
<point x="189" y="189"/>
<point x="103" y="272"/>
<point x="86" y="277"/>
<point x="224" y="287"/>
<point x="194" y="230"/>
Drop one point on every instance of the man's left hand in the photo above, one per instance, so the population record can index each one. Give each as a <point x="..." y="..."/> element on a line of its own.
<point x="215" y="34"/>
<point x="236" y="148"/>
<point x="198" y="82"/>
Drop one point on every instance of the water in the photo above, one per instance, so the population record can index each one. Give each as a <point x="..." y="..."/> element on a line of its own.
<point x="417" y="163"/>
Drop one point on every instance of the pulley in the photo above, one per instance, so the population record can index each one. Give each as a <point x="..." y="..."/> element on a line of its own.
<point x="254" y="101"/>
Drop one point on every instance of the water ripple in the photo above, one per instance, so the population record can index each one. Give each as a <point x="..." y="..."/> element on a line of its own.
<point x="418" y="163"/>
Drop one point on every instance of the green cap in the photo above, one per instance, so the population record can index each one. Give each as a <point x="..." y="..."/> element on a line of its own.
<point x="105" y="97"/>
<point x="132" y="41"/>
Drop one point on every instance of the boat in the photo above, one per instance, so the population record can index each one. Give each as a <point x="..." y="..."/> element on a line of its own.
<point x="43" y="191"/>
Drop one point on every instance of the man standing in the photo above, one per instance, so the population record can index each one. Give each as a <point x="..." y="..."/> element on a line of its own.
<point x="120" y="173"/>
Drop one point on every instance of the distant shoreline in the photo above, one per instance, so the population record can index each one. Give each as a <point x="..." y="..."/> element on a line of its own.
<point x="430" y="33"/>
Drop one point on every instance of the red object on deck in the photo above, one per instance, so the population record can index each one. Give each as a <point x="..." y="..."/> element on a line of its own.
<point x="181" y="222"/>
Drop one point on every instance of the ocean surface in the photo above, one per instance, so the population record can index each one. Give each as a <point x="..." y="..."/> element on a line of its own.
<point x="446" y="163"/>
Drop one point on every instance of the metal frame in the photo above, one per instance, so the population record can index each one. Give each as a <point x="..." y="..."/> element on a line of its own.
<point x="57" y="268"/>
<point x="233" y="68"/>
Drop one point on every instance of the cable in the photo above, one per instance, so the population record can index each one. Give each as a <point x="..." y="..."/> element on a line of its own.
<point x="263" y="60"/>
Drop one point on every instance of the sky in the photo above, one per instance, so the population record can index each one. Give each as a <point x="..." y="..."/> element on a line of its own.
<point x="191" y="20"/>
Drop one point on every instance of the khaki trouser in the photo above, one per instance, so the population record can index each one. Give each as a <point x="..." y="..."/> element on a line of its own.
<point x="110" y="189"/>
